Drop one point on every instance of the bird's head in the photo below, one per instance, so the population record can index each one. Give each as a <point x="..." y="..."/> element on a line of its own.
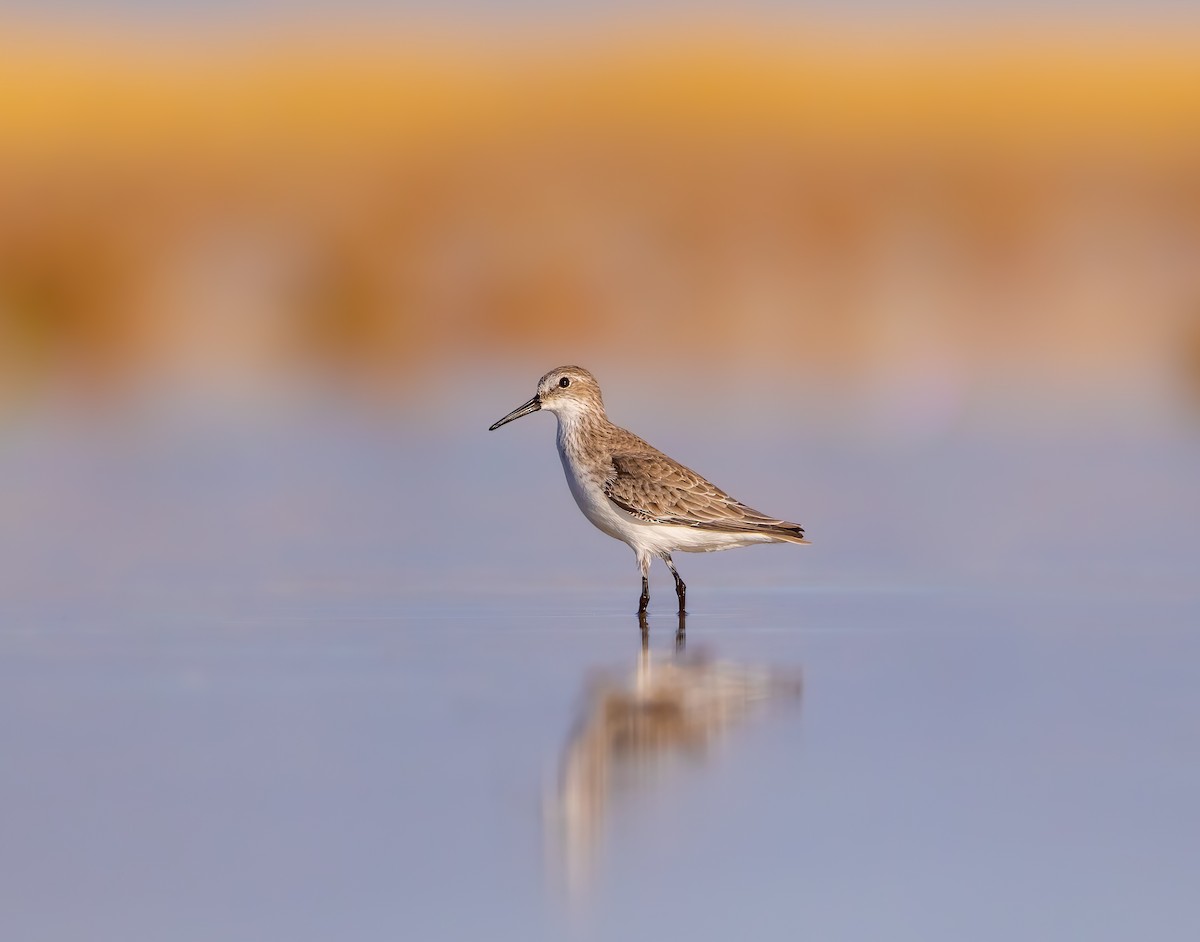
<point x="570" y="392"/>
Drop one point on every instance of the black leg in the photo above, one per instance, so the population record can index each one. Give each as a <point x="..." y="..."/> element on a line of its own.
<point x="681" y="633"/>
<point x="680" y="588"/>
<point x="645" y="599"/>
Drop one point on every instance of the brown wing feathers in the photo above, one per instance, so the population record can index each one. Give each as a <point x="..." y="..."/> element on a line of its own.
<point x="655" y="488"/>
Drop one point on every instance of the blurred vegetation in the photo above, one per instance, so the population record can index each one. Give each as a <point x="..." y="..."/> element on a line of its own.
<point x="210" y="210"/>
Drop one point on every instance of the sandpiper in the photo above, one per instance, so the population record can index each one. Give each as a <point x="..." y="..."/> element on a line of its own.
<point x="635" y="493"/>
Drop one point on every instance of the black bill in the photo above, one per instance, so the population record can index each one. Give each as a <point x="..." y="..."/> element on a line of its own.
<point x="531" y="406"/>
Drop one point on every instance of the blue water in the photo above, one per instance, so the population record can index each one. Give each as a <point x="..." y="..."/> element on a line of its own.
<point x="318" y="679"/>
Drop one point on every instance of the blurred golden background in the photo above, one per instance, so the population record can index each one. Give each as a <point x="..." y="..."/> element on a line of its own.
<point x="234" y="205"/>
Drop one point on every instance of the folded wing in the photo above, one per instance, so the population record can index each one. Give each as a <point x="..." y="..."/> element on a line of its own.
<point x="656" y="489"/>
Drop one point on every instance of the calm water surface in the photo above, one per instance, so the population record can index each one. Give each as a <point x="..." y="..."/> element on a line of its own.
<point x="330" y="681"/>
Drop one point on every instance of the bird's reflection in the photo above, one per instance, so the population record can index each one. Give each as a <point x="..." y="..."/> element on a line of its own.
<point x="680" y="631"/>
<point x="672" y="704"/>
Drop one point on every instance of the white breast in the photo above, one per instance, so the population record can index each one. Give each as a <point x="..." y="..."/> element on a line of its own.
<point x="587" y="487"/>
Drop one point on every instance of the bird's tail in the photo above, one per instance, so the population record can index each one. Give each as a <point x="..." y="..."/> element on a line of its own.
<point x="788" y="532"/>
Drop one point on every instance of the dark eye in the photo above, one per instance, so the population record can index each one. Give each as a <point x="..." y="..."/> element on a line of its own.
<point x="564" y="382"/>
